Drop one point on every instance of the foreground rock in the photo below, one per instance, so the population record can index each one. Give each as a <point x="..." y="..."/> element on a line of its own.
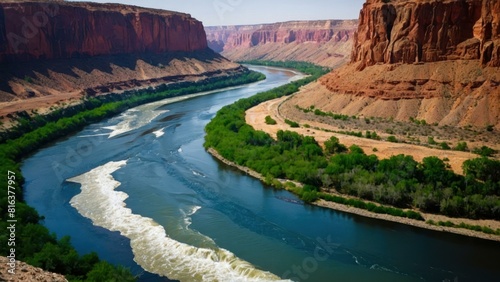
<point x="28" y="273"/>
<point x="437" y="61"/>
<point x="326" y="43"/>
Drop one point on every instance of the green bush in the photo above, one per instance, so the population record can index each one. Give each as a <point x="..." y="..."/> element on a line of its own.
<point x="292" y="124"/>
<point x="392" y="139"/>
<point x="270" y="120"/>
<point x="484" y="151"/>
<point x="444" y="146"/>
<point x="461" y="146"/>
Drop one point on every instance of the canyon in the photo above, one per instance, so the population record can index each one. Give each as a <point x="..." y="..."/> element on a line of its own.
<point x="327" y="42"/>
<point x="429" y="60"/>
<point x="58" y="52"/>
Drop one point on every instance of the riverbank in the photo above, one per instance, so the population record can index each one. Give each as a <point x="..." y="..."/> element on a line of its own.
<point x="386" y="217"/>
<point x="40" y="130"/>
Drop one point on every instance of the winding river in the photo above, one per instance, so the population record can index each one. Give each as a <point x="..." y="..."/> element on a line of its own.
<point x="140" y="190"/>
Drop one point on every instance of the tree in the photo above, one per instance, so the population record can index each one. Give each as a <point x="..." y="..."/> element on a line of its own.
<point x="103" y="271"/>
<point x="483" y="169"/>
<point x="333" y="146"/>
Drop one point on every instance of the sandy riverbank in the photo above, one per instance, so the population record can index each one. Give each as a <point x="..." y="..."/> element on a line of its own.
<point x="417" y="223"/>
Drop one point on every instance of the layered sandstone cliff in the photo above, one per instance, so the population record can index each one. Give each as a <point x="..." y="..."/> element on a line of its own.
<point x="428" y="31"/>
<point x="63" y="30"/>
<point x="326" y="42"/>
<point x="426" y="59"/>
<point x="53" y="52"/>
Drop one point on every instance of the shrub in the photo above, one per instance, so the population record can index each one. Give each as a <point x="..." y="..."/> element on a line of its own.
<point x="484" y="151"/>
<point x="461" y="146"/>
<point x="292" y="124"/>
<point x="270" y="120"/>
<point x="392" y="139"/>
<point x="28" y="79"/>
<point x="444" y="146"/>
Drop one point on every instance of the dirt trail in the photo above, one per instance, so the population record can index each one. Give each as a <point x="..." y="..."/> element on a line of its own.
<point x="256" y="118"/>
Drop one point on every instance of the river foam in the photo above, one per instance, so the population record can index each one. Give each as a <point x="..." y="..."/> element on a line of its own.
<point x="152" y="247"/>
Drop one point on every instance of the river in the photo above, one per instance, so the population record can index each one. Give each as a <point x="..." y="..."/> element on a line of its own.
<point x="140" y="190"/>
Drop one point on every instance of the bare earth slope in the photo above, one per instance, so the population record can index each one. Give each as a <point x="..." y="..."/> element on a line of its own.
<point x="432" y="60"/>
<point x="90" y="49"/>
<point x="326" y="43"/>
<point x="26" y="272"/>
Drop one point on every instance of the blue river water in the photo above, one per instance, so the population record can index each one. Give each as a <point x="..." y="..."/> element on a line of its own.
<point x="140" y="190"/>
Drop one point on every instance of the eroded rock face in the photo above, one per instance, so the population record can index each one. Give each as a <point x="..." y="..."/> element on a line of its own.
<point x="57" y="52"/>
<point x="440" y="59"/>
<point x="62" y="30"/>
<point x="323" y="42"/>
<point x="401" y="31"/>
<point x="26" y="272"/>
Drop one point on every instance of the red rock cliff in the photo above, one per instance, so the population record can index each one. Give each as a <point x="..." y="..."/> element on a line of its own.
<point x="326" y="41"/>
<point x="427" y="59"/>
<point x="402" y="31"/>
<point x="62" y="30"/>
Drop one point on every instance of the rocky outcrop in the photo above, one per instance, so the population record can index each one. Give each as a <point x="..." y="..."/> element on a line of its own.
<point x="408" y="32"/>
<point x="62" y="30"/>
<point x="426" y="59"/>
<point x="322" y="42"/>
<point x="25" y="272"/>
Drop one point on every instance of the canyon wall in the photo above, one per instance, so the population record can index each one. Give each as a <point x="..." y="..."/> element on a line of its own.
<point x="63" y="30"/>
<point x="327" y="42"/>
<point x="56" y="52"/>
<point x="427" y="59"/>
<point x="428" y="31"/>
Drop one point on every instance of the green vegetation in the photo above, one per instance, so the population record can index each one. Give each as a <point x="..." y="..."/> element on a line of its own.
<point x="484" y="151"/>
<point x="318" y="112"/>
<point x="418" y="122"/>
<point x="292" y="124"/>
<point x="34" y="243"/>
<point x="371" y="206"/>
<point x="93" y="109"/>
<point x="392" y="139"/>
<point x="372" y="135"/>
<point x="270" y="120"/>
<point x="461" y="146"/>
<point x="333" y="146"/>
<point x="483" y="229"/>
<point x="444" y="146"/>
<point x="399" y="181"/>
<point x="28" y="79"/>
<point x="303" y="67"/>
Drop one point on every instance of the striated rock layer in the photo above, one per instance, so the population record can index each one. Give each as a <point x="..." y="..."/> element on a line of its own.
<point x="428" y="31"/>
<point x="62" y="30"/>
<point x="427" y="59"/>
<point x="54" y="52"/>
<point x="327" y="42"/>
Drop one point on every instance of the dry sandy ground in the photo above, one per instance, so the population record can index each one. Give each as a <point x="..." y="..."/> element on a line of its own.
<point x="26" y="272"/>
<point x="256" y="118"/>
